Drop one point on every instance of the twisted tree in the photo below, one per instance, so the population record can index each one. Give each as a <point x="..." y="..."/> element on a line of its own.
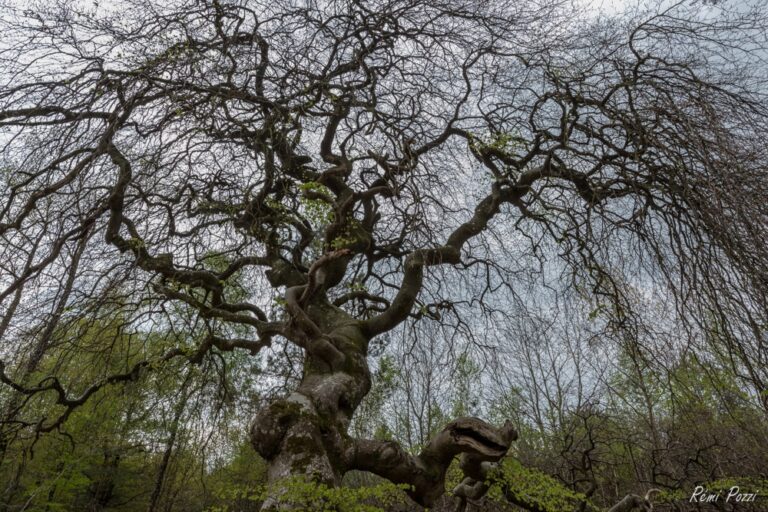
<point x="313" y="175"/>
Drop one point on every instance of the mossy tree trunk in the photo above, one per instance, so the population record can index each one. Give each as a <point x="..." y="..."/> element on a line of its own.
<point x="305" y="434"/>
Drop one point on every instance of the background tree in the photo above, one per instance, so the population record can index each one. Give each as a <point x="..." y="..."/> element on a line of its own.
<point x="304" y="180"/>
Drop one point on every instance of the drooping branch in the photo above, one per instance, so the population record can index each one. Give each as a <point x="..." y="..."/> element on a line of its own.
<point x="53" y="384"/>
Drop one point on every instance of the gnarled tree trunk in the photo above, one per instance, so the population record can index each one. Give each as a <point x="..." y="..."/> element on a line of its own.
<point x="305" y="434"/>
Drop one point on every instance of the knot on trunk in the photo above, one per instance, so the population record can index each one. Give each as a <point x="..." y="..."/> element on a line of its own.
<point x="272" y="423"/>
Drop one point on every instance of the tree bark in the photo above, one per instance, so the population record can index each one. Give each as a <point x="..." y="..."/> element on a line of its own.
<point x="305" y="434"/>
<point x="632" y="502"/>
<point x="169" y="447"/>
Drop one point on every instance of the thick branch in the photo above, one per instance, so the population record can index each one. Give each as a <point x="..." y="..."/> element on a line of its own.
<point x="634" y="502"/>
<point x="415" y="262"/>
<point x="425" y="472"/>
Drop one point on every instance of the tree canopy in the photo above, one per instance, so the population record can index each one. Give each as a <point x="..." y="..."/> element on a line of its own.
<point x="303" y="182"/>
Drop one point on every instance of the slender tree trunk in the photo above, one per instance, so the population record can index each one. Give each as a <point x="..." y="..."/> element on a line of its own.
<point x="157" y="490"/>
<point x="10" y="409"/>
